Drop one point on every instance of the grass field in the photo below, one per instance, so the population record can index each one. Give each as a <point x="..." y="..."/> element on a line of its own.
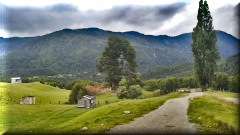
<point x="42" y="92"/>
<point x="53" y="118"/>
<point x="214" y="114"/>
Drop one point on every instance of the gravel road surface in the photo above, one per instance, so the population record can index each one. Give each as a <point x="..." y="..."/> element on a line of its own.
<point x="170" y="118"/>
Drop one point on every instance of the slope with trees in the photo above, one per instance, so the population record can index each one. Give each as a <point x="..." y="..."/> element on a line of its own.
<point x="76" y="52"/>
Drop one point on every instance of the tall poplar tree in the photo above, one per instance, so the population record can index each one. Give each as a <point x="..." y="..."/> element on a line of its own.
<point x="117" y="60"/>
<point x="204" y="48"/>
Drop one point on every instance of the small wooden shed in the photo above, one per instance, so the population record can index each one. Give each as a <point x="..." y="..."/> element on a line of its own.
<point x="86" y="102"/>
<point x="16" y="80"/>
<point x="27" y="100"/>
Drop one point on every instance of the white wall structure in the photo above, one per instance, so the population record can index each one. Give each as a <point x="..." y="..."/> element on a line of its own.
<point x="27" y="100"/>
<point x="16" y="80"/>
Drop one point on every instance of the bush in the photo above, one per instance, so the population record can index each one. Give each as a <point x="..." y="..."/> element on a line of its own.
<point x="134" y="91"/>
<point x="122" y="92"/>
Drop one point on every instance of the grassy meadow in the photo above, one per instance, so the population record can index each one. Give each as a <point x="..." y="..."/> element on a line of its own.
<point x="52" y="118"/>
<point x="215" y="115"/>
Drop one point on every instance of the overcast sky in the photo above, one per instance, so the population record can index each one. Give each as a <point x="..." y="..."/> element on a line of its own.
<point x="26" y="18"/>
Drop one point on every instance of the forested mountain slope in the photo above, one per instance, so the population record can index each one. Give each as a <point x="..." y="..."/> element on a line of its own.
<point x="76" y="51"/>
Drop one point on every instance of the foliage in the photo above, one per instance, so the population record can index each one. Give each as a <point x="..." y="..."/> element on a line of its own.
<point x="204" y="48"/>
<point x="222" y="80"/>
<point x="81" y="93"/>
<point x="61" y="54"/>
<point x="74" y="93"/>
<point x="92" y="90"/>
<point x="134" y="91"/>
<point x="127" y="82"/>
<point x="151" y="85"/>
<point x="230" y="65"/>
<point x="182" y="69"/>
<point x="25" y="80"/>
<point x="214" y="85"/>
<point x="2" y="79"/>
<point x="103" y="84"/>
<point x="122" y="92"/>
<point x="117" y="59"/>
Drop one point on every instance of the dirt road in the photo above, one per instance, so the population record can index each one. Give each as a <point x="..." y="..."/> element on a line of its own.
<point x="170" y="118"/>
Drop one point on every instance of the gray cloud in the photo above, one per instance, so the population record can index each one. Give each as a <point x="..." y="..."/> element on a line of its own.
<point x="33" y="21"/>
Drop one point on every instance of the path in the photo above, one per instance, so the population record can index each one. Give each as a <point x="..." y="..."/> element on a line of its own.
<point x="170" y="118"/>
<point x="232" y="99"/>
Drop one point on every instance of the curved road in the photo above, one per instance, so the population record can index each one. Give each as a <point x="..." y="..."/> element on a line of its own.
<point x="170" y="118"/>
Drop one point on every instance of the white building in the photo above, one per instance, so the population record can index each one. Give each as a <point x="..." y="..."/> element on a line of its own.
<point x="16" y="80"/>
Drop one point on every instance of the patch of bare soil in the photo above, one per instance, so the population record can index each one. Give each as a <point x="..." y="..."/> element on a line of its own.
<point x="170" y="118"/>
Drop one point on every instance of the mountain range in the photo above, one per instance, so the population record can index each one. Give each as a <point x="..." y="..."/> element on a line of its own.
<point x="76" y="51"/>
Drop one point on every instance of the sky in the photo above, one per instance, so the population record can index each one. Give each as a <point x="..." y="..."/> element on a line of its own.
<point x="27" y="18"/>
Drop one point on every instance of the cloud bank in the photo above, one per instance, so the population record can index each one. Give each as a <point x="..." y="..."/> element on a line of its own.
<point x="165" y="19"/>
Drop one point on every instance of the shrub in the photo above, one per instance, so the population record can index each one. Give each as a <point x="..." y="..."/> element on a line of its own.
<point x="134" y="91"/>
<point x="122" y="92"/>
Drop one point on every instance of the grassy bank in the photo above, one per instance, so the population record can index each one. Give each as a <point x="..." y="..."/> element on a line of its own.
<point x="214" y="114"/>
<point x="67" y="119"/>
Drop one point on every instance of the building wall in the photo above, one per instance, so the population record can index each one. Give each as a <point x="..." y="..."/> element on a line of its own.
<point x="27" y="100"/>
<point x="16" y="81"/>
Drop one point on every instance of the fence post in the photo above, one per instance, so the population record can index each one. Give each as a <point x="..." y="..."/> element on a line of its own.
<point x="98" y="101"/>
<point x="40" y="101"/>
<point x="59" y="102"/>
<point x="50" y="101"/>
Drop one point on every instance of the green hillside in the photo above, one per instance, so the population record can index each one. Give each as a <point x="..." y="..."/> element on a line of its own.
<point x="42" y="92"/>
<point x="76" y="52"/>
<point x="52" y="118"/>
<point x="182" y="69"/>
<point x="230" y="65"/>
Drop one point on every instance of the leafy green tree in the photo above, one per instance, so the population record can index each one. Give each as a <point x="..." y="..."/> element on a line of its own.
<point x="117" y="60"/>
<point x="122" y="92"/>
<point x="2" y="79"/>
<point x="237" y="80"/>
<point x="68" y="85"/>
<point x="74" y="93"/>
<point x="204" y="48"/>
<point x="214" y="85"/>
<point x="81" y="93"/>
<point x="231" y="83"/>
<point x="222" y="80"/>
<point x="134" y="91"/>
<point x="60" y="85"/>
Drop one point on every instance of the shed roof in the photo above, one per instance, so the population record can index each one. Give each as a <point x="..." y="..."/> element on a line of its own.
<point x="28" y="96"/>
<point x="88" y="97"/>
<point x="16" y="78"/>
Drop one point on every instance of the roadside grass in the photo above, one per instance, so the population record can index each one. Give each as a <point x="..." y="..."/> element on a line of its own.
<point x="214" y="114"/>
<point x="224" y="94"/>
<point x="68" y="119"/>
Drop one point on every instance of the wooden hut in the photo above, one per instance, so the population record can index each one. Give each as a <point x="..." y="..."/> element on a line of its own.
<point x="86" y="102"/>
<point x="27" y="100"/>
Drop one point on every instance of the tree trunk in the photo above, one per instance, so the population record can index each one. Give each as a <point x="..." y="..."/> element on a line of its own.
<point x="113" y="86"/>
<point x="204" y="88"/>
